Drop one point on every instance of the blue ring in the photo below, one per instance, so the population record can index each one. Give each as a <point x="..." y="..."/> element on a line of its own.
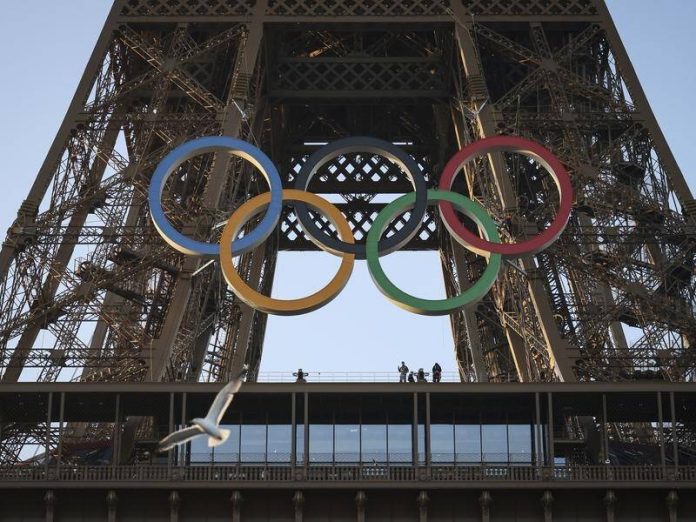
<point x="188" y="150"/>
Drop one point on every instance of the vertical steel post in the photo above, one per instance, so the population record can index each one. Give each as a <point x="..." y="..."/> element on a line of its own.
<point x="305" y="460"/>
<point x="605" y="431"/>
<point x="184" y="448"/>
<point x="61" y="419"/>
<point x="552" y="450"/>
<point x="116" y="447"/>
<point x="537" y="430"/>
<point x="661" y="430"/>
<point x="49" y="413"/>
<point x="428" y="456"/>
<point x="675" y="441"/>
<point x="170" y="454"/>
<point x="293" y="430"/>
<point x="414" y="431"/>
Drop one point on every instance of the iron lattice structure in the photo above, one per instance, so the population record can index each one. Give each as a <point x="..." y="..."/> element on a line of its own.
<point x="89" y="291"/>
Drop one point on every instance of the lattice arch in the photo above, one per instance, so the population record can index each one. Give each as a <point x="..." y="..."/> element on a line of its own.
<point x="530" y="7"/>
<point x="188" y="8"/>
<point x="358" y="7"/>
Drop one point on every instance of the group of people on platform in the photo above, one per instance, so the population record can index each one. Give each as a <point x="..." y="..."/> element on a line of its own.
<point x="405" y="375"/>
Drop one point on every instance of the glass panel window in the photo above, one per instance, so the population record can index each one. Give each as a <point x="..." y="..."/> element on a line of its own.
<point x="374" y="442"/>
<point x="495" y="443"/>
<point x="400" y="446"/>
<point x="253" y="443"/>
<point x="299" y="444"/>
<point x="321" y="443"/>
<point x="421" y="443"/>
<point x="200" y="453"/>
<point x="347" y="443"/>
<point x="520" y="442"/>
<point x="279" y="442"/>
<point x="467" y="441"/>
<point x="228" y="451"/>
<point x="442" y="442"/>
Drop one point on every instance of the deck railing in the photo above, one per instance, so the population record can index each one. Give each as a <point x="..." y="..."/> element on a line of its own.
<point x="376" y="377"/>
<point x="347" y="473"/>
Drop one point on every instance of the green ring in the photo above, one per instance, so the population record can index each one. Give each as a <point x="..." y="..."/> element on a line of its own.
<point x="432" y="306"/>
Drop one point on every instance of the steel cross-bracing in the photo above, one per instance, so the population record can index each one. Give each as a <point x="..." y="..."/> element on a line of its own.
<point x="89" y="291"/>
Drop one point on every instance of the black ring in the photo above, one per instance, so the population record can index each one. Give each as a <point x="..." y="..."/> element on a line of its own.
<point x="373" y="146"/>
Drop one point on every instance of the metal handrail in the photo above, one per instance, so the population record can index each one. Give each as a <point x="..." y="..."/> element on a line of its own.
<point x="374" y="472"/>
<point x="318" y="376"/>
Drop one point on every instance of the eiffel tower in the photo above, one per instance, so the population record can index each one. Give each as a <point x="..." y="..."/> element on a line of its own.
<point x="89" y="291"/>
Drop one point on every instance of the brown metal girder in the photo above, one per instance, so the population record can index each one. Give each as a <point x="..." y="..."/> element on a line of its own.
<point x="103" y="325"/>
<point x="512" y="49"/>
<point x="557" y="348"/>
<point x="625" y="67"/>
<point x="58" y="265"/>
<point x="246" y="62"/>
<point x="47" y="170"/>
<point x="70" y="296"/>
<point x="194" y="89"/>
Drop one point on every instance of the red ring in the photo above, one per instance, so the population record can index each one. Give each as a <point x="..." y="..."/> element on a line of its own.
<point x="521" y="146"/>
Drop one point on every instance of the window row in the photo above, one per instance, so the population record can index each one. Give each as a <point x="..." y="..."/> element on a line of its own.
<point x="369" y="443"/>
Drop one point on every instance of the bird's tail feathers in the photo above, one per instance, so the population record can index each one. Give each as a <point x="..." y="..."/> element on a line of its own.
<point x="213" y="442"/>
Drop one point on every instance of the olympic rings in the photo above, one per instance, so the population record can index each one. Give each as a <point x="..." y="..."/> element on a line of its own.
<point x="188" y="150"/>
<point x="286" y="306"/>
<point x="507" y="144"/>
<point x="345" y="246"/>
<point x="432" y="306"/>
<point x="373" y="146"/>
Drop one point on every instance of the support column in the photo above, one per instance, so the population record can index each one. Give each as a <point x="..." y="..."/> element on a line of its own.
<point x="50" y="503"/>
<point x="672" y="501"/>
<point x="610" y="504"/>
<point x="232" y="121"/>
<point x="174" y="503"/>
<point x="298" y="501"/>
<point x="111" y="505"/>
<point x="485" y="500"/>
<point x="547" y="502"/>
<point x="360" y="503"/>
<point x="469" y="316"/>
<point x="423" y="500"/>
<point x="559" y="351"/>
<point x="236" y="500"/>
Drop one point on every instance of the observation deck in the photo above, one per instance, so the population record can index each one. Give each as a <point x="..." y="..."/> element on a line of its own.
<point x="337" y="443"/>
<point x="445" y="435"/>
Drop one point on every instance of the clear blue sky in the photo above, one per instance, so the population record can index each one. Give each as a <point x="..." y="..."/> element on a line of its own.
<point x="44" y="46"/>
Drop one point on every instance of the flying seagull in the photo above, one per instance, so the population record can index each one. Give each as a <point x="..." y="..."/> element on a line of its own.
<point x="210" y="425"/>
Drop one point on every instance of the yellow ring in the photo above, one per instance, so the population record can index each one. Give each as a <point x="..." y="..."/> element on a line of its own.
<point x="285" y="306"/>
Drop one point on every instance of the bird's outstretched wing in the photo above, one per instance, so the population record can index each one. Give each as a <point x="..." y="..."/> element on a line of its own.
<point x="178" y="437"/>
<point x="223" y="399"/>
